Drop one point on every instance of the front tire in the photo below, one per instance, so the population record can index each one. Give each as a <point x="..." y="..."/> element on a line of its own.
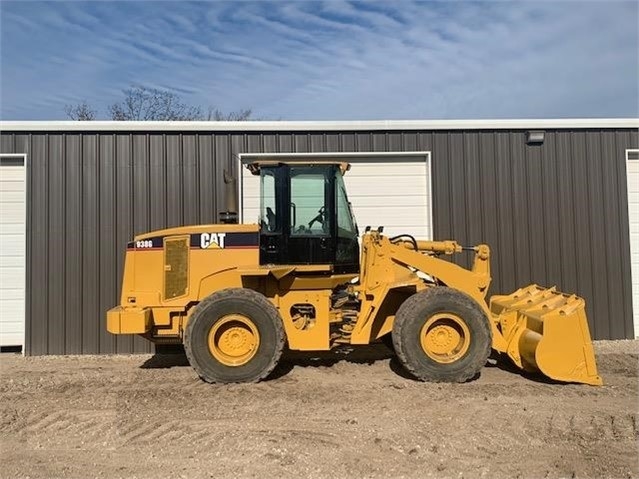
<point x="234" y="335"/>
<point x="442" y="335"/>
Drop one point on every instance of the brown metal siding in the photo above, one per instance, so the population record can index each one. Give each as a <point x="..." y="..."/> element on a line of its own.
<point x="553" y="214"/>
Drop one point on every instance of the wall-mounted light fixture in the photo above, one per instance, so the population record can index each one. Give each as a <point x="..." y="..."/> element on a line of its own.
<point x="535" y="137"/>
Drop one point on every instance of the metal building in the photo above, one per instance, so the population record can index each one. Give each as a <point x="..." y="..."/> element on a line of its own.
<point x="557" y="200"/>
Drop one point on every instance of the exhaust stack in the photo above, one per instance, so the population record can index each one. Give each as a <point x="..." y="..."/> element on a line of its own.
<point x="229" y="216"/>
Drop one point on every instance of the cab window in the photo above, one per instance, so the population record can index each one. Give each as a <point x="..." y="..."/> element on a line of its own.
<point x="268" y="218"/>
<point x="308" y="202"/>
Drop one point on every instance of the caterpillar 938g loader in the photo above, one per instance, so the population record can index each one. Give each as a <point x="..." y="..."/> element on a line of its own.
<point x="236" y="295"/>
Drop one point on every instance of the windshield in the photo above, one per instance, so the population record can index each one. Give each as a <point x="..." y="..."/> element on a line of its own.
<point x="346" y="224"/>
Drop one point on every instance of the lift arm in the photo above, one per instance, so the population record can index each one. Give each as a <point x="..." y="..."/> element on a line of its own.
<point x="392" y="265"/>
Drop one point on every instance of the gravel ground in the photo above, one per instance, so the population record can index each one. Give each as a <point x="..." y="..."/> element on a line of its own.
<point x="342" y="415"/>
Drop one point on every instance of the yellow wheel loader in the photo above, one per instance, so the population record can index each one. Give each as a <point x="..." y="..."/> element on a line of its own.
<point x="237" y="295"/>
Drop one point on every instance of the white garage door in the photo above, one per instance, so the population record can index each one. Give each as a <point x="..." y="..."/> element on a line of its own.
<point x="632" y="167"/>
<point x="390" y="190"/>
<point x="12" y="249"/>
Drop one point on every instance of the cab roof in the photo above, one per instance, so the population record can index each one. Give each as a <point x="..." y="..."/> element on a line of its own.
<point x="255" y="166"/>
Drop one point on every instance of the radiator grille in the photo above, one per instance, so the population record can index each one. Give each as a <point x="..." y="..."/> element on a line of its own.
<point x="176" y="267"/>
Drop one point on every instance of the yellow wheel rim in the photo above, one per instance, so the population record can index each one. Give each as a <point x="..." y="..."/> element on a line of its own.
<point x="445" y="338"/>
<point x="233" y="340"/>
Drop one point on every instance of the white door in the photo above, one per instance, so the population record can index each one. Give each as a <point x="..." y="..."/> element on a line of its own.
<point x="389" y="189"/>
<point x="12" y="249"/>
<point x="632" y="168"/>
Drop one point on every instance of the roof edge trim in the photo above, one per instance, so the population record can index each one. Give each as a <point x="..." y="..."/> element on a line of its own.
<point x="368" y="125"/>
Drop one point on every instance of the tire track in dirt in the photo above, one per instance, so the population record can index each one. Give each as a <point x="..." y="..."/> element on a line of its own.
<point x="85" y="423"/>
<point x="133" y="431"/>
<point x="122" y="417"/>
<point x="589" y="427"/>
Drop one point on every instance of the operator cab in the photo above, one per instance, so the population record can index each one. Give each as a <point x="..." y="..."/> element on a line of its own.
<point x="305" y="216"/>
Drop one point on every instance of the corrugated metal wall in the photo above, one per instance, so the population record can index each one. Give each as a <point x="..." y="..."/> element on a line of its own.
<point x="553" y="214"/>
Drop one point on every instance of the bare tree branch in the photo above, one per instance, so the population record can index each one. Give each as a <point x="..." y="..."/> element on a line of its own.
<point x="80" y="112"/>
<point x="240" y="115"/>
<point x="151" y="104"/>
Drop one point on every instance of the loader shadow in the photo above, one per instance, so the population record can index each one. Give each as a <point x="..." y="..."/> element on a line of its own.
<point x="400" y="370"/>
<point x="367" y="354"/>
<point x="172" y="356"/>
<point x="501" y="362"/>
<point x="167" y="356"/>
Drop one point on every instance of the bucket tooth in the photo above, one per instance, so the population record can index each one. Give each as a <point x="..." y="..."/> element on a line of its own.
<point x="547" y="332"/>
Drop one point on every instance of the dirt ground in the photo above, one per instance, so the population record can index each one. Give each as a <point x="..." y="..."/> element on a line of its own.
<point x="344" y="415"/>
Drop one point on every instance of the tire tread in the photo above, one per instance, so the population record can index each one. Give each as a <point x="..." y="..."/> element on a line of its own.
<point x="410" y="309"/>
<point x="241" y="294"/>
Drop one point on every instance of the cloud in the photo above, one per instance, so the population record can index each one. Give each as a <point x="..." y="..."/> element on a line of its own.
<point x="327" y="60"/>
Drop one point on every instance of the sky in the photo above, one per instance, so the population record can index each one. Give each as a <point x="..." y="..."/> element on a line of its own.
<point x="331" y="60"/>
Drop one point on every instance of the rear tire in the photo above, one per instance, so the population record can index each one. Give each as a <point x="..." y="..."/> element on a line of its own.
<point x="234" y="335"/>
<point x="442" y="335"/>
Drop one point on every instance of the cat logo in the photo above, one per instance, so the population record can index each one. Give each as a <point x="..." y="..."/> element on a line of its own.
<point x="212" y="240"/>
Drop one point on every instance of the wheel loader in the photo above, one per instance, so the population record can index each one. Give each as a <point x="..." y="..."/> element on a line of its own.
<point x="301" y="278"/>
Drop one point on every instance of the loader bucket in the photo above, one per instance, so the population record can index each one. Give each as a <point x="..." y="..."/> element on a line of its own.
<point x="547" y="332"/>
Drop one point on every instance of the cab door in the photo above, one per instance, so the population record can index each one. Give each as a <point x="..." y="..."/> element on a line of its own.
<point x="298" y="215"/>
<point x="311" y="207"/>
